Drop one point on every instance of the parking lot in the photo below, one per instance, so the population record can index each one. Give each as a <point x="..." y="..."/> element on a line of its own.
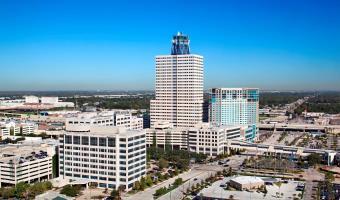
<point x="283" y="191"/>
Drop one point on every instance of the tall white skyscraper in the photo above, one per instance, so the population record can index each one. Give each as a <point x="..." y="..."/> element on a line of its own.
<point x="179" y="86"/>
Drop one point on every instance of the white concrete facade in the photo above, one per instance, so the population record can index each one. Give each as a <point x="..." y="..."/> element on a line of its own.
<point x="203" y="138"/>
<point x="108" y="118"/>
<point x="127" y="120"/>
<point x="108" y="156"/>
<point x="16" y="128"/>
<point x="31" y="99"/>
<point x="164" y="134"/>
<point x="210" y="140"/>
<point x="179" y="90"/>
<point x="25" y="163"/>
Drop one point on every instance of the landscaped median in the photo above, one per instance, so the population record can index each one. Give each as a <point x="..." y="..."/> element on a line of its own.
<point x="163" y="190"/>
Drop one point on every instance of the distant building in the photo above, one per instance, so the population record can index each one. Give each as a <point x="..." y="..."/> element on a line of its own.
<point x="108" y="156"/>
<point x="51" y="100"/>
<point x="31" y="99"/>
<point x="108" y="118"/>
<point x="34" y="103"/>
<point x="179" y="86"/>
<point x="16" y="128"/>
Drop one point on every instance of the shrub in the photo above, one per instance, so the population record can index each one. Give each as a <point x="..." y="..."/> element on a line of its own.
<point x="71" y="191"/>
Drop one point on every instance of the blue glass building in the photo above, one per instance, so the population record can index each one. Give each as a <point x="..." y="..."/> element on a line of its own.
<point x="180" y="44"/>
<point x="234" y="106"/>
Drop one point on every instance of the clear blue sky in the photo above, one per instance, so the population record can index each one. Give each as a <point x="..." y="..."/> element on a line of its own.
<point x="71" y="45"/>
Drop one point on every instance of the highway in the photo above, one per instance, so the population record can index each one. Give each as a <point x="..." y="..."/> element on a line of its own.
<point x="299" y="127"/>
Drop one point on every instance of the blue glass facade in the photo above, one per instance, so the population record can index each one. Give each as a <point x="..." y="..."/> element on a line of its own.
<point x="180" y="44"/>
<point x="235" y="106"/>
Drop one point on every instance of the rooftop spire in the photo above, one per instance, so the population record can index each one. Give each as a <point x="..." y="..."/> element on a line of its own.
<point x="180" y="44"/>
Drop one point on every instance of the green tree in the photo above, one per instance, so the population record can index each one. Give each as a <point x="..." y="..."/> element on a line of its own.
<point x="230" y="171"/>
<point x="178" y="182"/>
<point x="7" y="193"/>
<point x="71" y="191"/>
<point x="148" y="181"/>
<point x="160" y="191"/>
<point x="137" y="185"/>
<point x="115" y="194"/>
<point x="37" y="189"/>
<point x="142" y="184"/>
<point x="314" y="159"/>
<point x="163" y="163"/>
<point x="160" y="176"/>
<point x="20" y="189"/>
<point x="329" y="177"/>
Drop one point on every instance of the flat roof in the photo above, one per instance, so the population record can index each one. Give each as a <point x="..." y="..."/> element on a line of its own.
<point x="107" y="131"/>
<point x="245" y="88"/>
<point x="215" y="191"/>
<point x="247" y="179"/>
<point x="15" y="152"/>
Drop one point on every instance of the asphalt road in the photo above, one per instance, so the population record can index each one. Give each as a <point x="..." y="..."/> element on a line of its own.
<point x="197" y="174"/>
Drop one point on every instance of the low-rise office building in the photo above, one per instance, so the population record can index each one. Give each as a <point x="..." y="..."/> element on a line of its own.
<point x="17" y="128"/>
<point x="105" y="155"/>
<point x="211" y="140"/>
<point x="107" y="118"/>
<point x="28" y="128"/>
<point x="163" y="133"/>
<point x="25" y="163"/>
<point x="204" y="138"/>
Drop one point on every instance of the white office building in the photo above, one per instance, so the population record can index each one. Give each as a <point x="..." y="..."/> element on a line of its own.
<point x="203" y="138"/>
<point x="212" y="140"/>
<point x="28" y="128"/>
<point x="179" y="86"/>
<point x="25" y="163"/>
<point x="106" y="118"/>
<point x="32" y="99"/>
<point x="16" y="127"/>
<point x="107" y="156"/>
<point x="126" y="119"/>
<point x="4" y="132"/>
<point x="163" y="133"/>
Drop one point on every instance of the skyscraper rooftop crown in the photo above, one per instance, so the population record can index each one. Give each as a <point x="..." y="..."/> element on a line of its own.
<point x="180" y="44"/>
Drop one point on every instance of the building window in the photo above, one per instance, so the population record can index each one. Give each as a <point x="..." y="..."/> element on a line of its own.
<point x="76" y="139"/>
<point x="102" y="142"/>
<point x="111" y="142"/>
<point x="94" y="141"/>
<point x="68" y="139"/>
<point x="85" y="140"/>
